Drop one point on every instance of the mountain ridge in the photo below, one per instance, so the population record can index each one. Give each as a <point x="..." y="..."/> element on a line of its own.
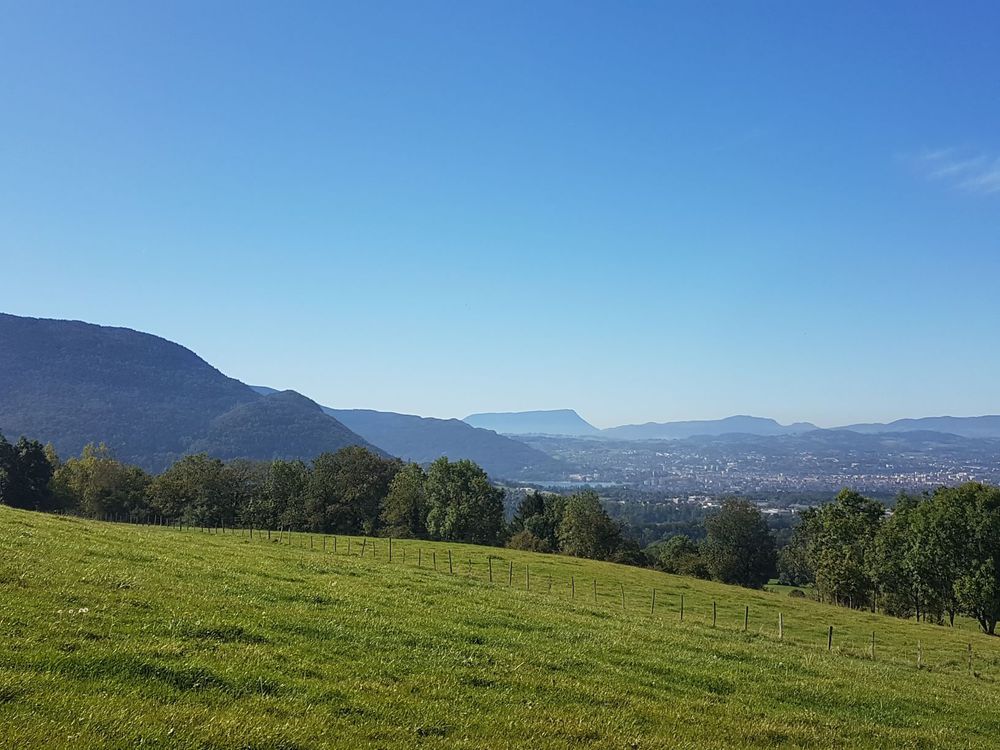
<point x="987" y="425"/>
<point x="539" y="422"/>
<point x="736" y="424"/>
<point x="530" y="423"/>
<point x="151" y="400"/>
<point x="424" y="439"/>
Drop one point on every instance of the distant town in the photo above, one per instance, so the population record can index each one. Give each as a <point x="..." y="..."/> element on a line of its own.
<point x="779" y="467"/>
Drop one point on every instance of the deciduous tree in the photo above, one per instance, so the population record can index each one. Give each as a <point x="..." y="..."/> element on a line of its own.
<point x="739" y="546"/>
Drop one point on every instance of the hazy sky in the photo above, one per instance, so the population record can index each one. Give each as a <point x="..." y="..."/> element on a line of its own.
<point x="644" y="211"/>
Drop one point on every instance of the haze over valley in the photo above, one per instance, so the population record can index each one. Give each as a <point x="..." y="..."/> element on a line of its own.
<point x="152" y="401"/>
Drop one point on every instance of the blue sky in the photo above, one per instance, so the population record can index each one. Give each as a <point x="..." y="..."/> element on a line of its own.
<point x="644" y="211"/>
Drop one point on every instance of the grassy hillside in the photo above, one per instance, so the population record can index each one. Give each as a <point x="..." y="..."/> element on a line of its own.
<point x="120" y="636"/>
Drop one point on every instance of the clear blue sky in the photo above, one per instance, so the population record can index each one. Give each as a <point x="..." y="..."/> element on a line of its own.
<point x="644" y="211"/>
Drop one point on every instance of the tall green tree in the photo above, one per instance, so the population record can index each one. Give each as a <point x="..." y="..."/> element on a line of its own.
<point x="537" y="519"/>
<point x="98" y="484"/>
<point x="347" y="489"/>
<point x="937" y="550"/>
<point x="795" y="558"/>
<point x="531" y="504"/>
<point x="285" y="500"/>
<point x="197" y="490"/>
<point x="839" y="539"/>
<point x="462" y="503"/>
<point x="892" y="563"/>
<point x="405" y="510"/>
<point x="25" y="473"/>
<point x="248" y="483"/>
<point x="587" y="530"/>
<point x="739" y="546"/>
<point x="680" y="555"/>
<point x="977" y="585"/>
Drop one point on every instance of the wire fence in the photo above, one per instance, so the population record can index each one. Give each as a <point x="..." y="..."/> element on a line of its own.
<point x="490" y="566"/>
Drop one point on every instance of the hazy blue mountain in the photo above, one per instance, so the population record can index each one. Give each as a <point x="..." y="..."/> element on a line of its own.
<point x="971" y="427"/>
<point x="550" y="422"/>
<point x="149" y="399"/>
<point x="730" y="425"/>
<point x="284" y="424"/>
<point x="423" y="439"/>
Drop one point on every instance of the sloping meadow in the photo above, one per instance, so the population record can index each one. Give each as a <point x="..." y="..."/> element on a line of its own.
<point x="121" y="636"/>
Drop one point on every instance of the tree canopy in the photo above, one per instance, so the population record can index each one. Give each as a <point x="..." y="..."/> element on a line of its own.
<point x="739" y="546"/>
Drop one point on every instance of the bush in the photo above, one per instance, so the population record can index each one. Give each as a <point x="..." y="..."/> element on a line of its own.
<point x="525" y="540"/>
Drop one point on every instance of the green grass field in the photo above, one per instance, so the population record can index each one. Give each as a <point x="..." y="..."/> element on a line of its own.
<point x="128" y="636"/>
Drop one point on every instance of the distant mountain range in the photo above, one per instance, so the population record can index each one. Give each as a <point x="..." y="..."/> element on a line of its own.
<point x="679" y="430"/>
<point x="423" y="439"/>
<point x="152" y="401"/>
<point x="970" y="427"/>
<point x="567" y="423"/>
<point x="549" y="422"/>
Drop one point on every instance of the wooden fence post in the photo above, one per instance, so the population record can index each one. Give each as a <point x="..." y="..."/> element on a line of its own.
<point x="335" y="544"/>
<point x="682" y="607"/>
<point x="873" y="645"/>
<point x="781" y="626"/>
<point x="572" y="587"/>
<point x="829" y="639"/>
<point x="420" y="557"/>
<point x="348" y="545"/>
<point x="595" y="591"/>
<point x="434" y="558"/>
<point x="714" y="613"/>
<point x="622" y="587"/>
<point x="920" y="655"/>
<point x="971" y="671"/>
<point x="746" y="618"/>
<point x="490" y="559"/>
<point x="510" y="574"/>
<point x="652" y="604"/>
<point x="364" y="543"/>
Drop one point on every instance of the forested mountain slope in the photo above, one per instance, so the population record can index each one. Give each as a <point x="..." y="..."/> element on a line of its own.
<point x="151" y="400"/>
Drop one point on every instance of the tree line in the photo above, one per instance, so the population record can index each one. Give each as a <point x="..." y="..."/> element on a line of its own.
<point x="352" y="491"/>
<point x="932" y="557"/>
